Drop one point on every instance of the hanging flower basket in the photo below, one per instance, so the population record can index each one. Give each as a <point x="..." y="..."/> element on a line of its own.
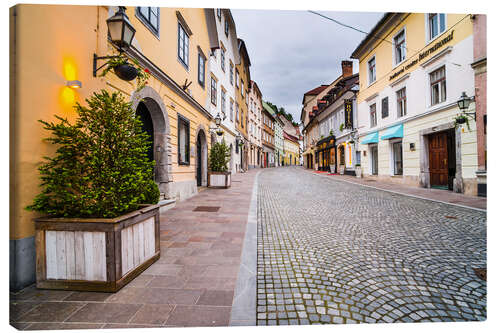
<point x="126" y="71"/>
<point x="462" y="119"/>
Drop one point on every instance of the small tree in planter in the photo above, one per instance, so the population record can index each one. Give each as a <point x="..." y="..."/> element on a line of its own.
<point x="218" y="160"/>
<point x="93" y="190"/>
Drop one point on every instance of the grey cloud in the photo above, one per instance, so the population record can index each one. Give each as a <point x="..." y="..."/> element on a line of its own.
<point x="294" y="51"/>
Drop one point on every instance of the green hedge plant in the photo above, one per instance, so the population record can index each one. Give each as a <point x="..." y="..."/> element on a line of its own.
<point x="219" y="157"/>
<point x="100" y="168"/>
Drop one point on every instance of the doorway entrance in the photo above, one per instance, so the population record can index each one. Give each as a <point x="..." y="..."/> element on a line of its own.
<point x="442" y="159"/>
<point x="374" y="154"/>
<point x="201" y="158"/>
<point x="147" y="126"/>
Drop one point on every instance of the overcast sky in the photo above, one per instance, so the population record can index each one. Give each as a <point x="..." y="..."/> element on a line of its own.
<point x="292" y="52"/>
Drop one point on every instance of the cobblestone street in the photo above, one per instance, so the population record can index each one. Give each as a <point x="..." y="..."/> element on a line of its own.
<point x="335" y="252"/>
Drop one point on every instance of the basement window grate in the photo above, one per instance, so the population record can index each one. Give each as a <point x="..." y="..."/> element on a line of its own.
<point x="206" y="209"/>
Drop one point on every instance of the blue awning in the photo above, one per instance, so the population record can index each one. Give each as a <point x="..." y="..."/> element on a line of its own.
<point x="393" y="132"/>
<point x="370" y="138"/>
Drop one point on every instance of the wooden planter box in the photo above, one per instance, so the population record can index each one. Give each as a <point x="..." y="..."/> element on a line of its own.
<point x="98" y="254"/>
<point x="219" y="179"/>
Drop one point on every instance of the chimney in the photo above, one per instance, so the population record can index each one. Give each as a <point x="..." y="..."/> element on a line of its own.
<point x="346" y="68"/>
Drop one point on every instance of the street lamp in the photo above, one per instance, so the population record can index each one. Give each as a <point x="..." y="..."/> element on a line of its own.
<point x="218" y="120"/>
<point x="121" y="32"/>
<point x="463" y="104"/>
<point x="120" y="29"/>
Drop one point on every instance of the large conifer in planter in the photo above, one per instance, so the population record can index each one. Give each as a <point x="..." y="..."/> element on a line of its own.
<point x="100" y="168"/>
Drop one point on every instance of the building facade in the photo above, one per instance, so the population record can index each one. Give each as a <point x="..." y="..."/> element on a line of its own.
<point x="407" y="101"/>
<point x="336" y="150"/>
<point x="178" y="121"/>
<point x="479" y="66"/>
<point x="291" y="149"/>
<point x="254" y="126"/>
<point x="268" y="136"/>
<point x="242" y="81"/>
<point x="221" y="99"/>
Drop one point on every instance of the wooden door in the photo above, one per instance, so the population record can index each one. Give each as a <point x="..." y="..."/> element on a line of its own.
<point x="438" y="159"/>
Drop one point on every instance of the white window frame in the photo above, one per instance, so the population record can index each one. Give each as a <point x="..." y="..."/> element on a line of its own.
<point x="368" y="70"/>
<point x="185" y="45"/>
<point x="427" y="27"/>
<point x="398" y="114"/>
<point x="394" y="49"/>
<point x="223" y="59"/>
<point x="430" y="85"/>
<point x="372" y="125"/>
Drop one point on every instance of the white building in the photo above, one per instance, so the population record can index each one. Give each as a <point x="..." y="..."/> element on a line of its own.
<point x="408" y="101"/>
<point x="221" y="84"/>
<point x="254" y="126"/>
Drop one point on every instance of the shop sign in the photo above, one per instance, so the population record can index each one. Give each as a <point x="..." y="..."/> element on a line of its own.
<point x="423" y="55"/>
<point x="348" y="113"/>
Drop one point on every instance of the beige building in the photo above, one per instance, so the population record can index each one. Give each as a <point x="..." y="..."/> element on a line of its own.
<point x="254" y="126"/>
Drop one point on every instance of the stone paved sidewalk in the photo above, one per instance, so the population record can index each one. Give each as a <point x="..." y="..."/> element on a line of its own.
<point x="192" y="284"/>
<point x="428" y="193"/>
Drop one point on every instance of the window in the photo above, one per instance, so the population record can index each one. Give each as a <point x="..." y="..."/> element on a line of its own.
<point x="223" y="59"/>
<point x="373" y="115"/>
<point x="223" y="102"/>
<point x="201" y="69"/>
<point x="183" y="46"/>
<point x="385" y="107"/>
<point x="219" y="13"/>
<point x="231" y="104"/>
<point x="237" y="79"/>
<point x="213" y="91"/>
<point x="436" y="24"/>
<point x="150" y="17"/>
<point x="231" y="73"/>
<point x="242" y="87"/>
<point x="226" y="27"/>
<point x="237" y="107"/>
<point x="372" y="75"/>
<point x="400" y="47"/>
<point x="401" y="100"/>
<point x="438" y="86"/>
<point x="397" y="153"/>
<point x="183" y="140"/>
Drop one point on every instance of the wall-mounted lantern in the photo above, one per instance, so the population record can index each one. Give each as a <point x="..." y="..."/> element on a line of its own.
<point x="463" y="104"/>
<point x="121" y="32"/>
<point x="120" y="29"/>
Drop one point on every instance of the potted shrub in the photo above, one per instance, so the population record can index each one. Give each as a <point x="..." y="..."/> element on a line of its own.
<point x="358" y="170"/>
<point x="341" y="169"/>
<point x="218" y="174"/>
<point x="341" y="128"/>
<point x="102" y="223"/>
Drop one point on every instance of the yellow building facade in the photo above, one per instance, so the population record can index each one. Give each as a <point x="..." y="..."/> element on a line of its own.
<point x="242" y="97"/>
<point x="43" y="62"/>
<point x="407" y="101"/>
<point x="291" y="149"/>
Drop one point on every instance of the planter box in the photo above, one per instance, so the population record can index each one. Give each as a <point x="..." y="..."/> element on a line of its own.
<point x="98" y="254"/>
<point x="219" y="179"/>
<point x="358" y="172"/>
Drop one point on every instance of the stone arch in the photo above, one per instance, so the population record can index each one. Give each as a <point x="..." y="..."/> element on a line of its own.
<point x="161" y="126"/>
<point x="201" y="135"/>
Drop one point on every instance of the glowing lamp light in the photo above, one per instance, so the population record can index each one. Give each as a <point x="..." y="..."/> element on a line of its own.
<point x="74" y="84"/>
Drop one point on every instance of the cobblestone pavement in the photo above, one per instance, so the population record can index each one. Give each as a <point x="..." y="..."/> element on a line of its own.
<point x="335" y="252"/>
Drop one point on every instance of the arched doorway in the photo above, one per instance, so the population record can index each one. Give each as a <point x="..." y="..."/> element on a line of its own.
<point x="201" y="158"/>
<point x="147" y="126"/>
<point x="150" y="108"/>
